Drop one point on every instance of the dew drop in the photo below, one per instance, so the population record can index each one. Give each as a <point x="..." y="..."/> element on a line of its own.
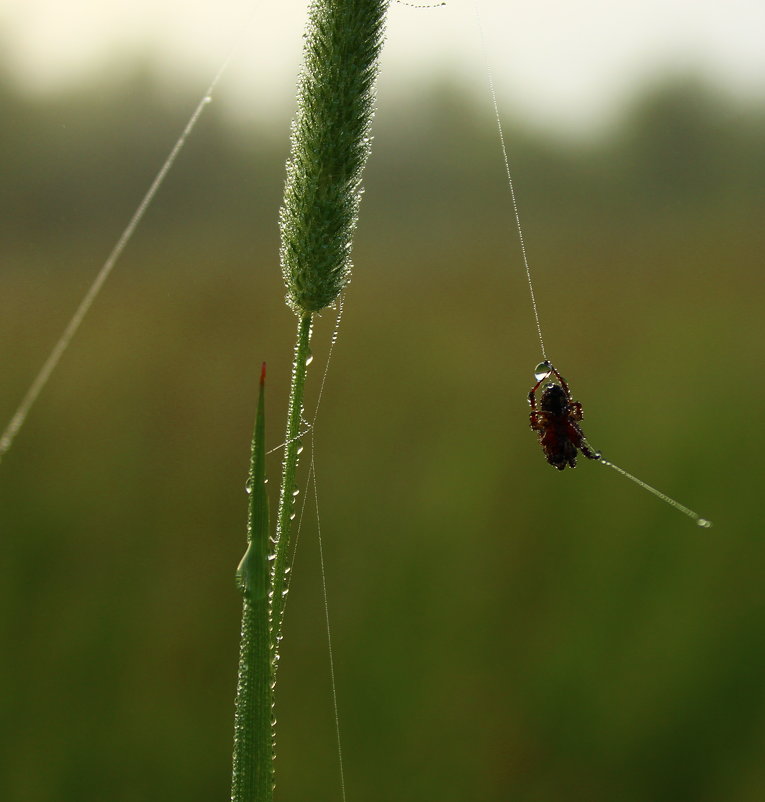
<point x="703" y="522"/>
<point x="296" y="491"/>
<point x="248" y="486"/>
<point x="542" y="370"/>
<point x="309" y="359"/>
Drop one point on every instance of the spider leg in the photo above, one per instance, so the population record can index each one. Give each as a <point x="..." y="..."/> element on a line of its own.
<point x="587" y="451"/>
<point x="562" y="381"/>
<point x="584" y="446"/>
<point x="576" y="410"/>
<point x="576" y="436"/>
<point x="532" y="394"/>
<point x="534" y="421"/>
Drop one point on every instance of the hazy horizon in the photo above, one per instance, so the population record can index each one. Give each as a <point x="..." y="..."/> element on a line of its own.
<point x="553" y="65"/>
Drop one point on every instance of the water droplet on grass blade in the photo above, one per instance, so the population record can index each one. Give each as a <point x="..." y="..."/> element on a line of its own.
<point x="542" y="370"/>
<point x="703" y="522"/>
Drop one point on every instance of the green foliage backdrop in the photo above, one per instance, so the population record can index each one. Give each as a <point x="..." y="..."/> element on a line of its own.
<point x="501" y="631"/>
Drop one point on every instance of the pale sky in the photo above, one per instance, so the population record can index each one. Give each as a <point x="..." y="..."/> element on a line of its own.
<point x="559" y="62"/>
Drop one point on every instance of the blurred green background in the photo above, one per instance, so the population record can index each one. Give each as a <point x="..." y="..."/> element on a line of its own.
<point x="501" y="631"/>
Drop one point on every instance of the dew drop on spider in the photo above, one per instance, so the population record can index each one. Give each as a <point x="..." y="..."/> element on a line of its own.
<point x="541" y="370"/>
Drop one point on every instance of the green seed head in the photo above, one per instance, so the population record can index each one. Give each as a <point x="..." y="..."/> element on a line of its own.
<point x="330" y="146"/>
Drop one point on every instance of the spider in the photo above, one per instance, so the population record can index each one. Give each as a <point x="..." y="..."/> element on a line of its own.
<point x="556" y="422"/>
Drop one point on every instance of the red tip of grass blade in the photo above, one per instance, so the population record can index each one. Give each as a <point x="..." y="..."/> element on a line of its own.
<point x="263" y="374"/>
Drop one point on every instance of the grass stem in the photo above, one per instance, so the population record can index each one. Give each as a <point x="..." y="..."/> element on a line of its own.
<point x="285" y="514"/>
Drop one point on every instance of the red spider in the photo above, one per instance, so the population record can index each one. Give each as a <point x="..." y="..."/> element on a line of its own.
<point x="556" y="422"/>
